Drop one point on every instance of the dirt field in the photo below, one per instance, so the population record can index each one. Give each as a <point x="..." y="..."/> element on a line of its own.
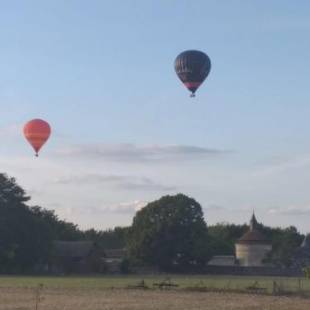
<point x="90" y="299"/>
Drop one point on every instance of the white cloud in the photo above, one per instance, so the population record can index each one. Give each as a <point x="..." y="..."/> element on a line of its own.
<point x="135" y="153"/>
<point x="117" y="181"/>
<point x="290" y="211"/>
<point x="123" y="207"/>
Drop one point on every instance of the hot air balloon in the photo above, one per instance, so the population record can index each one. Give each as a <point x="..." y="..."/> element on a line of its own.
<point x="37" y="132"/>
<point x="192" y="68"/>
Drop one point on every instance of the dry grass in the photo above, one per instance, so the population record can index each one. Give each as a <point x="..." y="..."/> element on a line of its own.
<point x="105" y="299"/>
<point x="183" y="281"/>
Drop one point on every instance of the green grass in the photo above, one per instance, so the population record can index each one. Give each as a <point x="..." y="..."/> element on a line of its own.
<point x="106" y="282"/>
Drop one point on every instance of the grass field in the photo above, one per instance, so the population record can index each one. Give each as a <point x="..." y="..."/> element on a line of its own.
<point x="108" y="282"/>
<point x="111" y="292"/>
<point x="81" y="299"/>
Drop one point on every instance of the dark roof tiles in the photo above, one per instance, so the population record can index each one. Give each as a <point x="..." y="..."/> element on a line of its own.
<point x="253" y="237"/>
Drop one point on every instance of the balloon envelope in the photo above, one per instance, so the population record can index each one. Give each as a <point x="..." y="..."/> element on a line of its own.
<point x="192" y="68"/>
<point x="37" y="132"/>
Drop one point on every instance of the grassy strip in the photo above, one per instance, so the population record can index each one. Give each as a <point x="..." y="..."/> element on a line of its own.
<point x="229" y="283"/>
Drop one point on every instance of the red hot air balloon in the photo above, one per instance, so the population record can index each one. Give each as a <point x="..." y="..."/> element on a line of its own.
<point x="192" y="68"/>
<point x="37" y="133"/>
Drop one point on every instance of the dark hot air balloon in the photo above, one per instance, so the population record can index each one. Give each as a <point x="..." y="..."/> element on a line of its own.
<point x="37" y="132"/>
<point x="192" y="68"/>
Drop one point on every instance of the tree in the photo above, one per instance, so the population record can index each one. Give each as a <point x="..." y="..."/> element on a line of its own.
<point x="170" y="233"/>
<point x="59" y="229"/>
<point x="223" y="237"/>
<point x="10" y="192"/>
<point x="27" y="233"/>
<point x="108" y="239"/>
<point x="24" y="238"/>
<point x="285" y="241"/>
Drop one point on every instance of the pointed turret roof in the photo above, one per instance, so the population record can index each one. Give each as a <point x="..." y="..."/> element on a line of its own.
<point x="253" y="235"/>
<point x="253" y="222"/>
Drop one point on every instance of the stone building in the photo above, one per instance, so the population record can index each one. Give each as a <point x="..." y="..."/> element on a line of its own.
<point x="252" y="247"/>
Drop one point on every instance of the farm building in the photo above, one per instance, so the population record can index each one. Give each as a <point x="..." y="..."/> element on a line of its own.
<point x="76" y="257"/>
<point x="252" y="247"/>
<point x="84" y="257"/>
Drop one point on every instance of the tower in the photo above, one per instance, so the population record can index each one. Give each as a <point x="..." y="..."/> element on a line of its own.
<point x="252" y="247"/>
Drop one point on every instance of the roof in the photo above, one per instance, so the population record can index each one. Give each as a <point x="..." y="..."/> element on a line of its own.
<point x="253" y="237"/>
<point x="253" y="222"/>
<point x="72" y="248"/>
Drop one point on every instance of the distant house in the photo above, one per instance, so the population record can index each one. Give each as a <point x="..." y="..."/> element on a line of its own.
<point x="76" y="257"/>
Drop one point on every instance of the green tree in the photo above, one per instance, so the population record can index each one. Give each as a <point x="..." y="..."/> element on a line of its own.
<point x="24" y="238"/>
<point x="284" y="244"/>
<point x="27" y="233"/>
<point x="108" y="239"/>
<point x="59" y="229"/>
<point x="284" y="241"/>
<point x="223" y="237"/>
<point x="170" y="233"/>
<point x="10" y="192"/>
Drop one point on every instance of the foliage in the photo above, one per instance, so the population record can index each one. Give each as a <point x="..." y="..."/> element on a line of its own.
<point x="223" y="237"/>
<point x="108" y="239"/>
<point x="10" y="192"/>
<point x="26" y="233"/>
<point x="284" y="241"/>
<point x="24" y="237"/>
<point x="284" y="244"/>
<point x="170" y="233"/>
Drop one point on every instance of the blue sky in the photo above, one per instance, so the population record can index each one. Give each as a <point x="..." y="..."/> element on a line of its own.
<point x="125" y="131"/>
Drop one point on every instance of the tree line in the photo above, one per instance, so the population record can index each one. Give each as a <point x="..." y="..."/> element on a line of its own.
<point x="170" y="233"/>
